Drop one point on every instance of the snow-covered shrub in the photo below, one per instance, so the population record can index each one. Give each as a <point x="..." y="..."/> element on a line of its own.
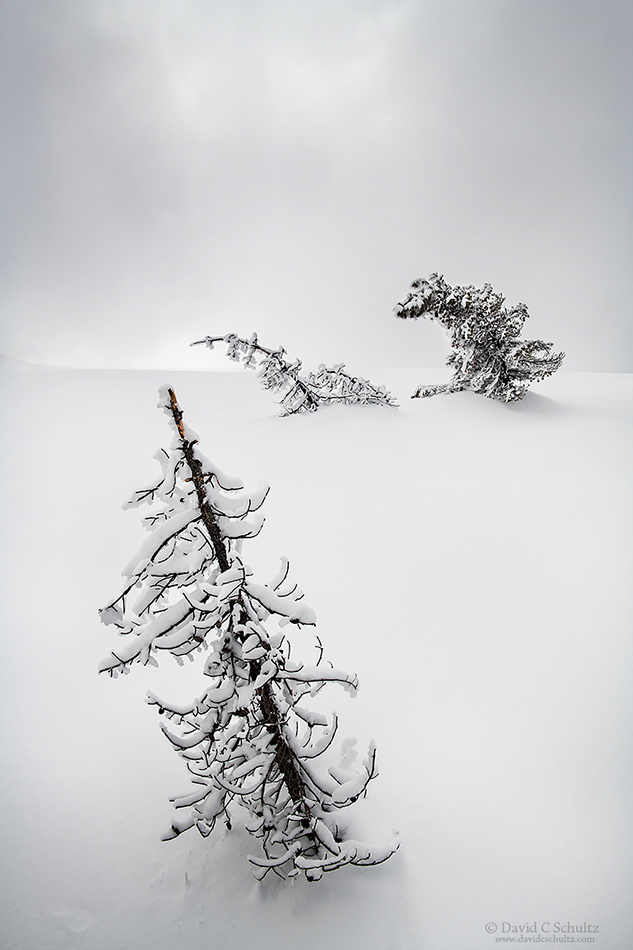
<point x="327" y="386"/>
<point x="248" y="739"/>
<point x="488" y="356"/>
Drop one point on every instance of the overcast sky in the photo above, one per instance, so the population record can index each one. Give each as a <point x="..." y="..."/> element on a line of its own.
<point x="173" y="168"/>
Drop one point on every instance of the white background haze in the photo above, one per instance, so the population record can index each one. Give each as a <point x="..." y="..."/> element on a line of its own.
<point x="180" y="167"/>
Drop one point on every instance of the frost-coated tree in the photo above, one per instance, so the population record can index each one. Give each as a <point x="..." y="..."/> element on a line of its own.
<point x="488" y="356"/>
<point x="327" y="386"/>
<point x="248" y="740"/>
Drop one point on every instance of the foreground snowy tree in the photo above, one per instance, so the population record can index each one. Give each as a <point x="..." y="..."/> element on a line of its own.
<point x="247" y="740"/>
<point x="488" y="356"/>
<point x="327" y="386"/>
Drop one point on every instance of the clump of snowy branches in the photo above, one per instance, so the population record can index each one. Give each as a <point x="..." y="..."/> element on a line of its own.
<point x="248" y="739"/>
<point x="488" y="356"/>
<point x="327" y="386"/>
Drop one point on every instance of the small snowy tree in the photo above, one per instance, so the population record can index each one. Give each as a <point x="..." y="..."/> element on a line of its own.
<point x="248" y="739"/>
<point x="327" y="386"/>
<point x="488" y="356"/>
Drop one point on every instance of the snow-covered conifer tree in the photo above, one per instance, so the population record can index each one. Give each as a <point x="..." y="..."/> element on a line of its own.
<point x="488" y="356"/>
<point x="329" y="385"/>
<point x="248" y="740"/>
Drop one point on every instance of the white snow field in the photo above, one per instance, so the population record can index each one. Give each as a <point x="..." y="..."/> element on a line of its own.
<point x="470" y="560"/>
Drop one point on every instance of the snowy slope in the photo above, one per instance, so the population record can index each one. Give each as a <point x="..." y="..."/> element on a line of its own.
<point x="471" y="561"/>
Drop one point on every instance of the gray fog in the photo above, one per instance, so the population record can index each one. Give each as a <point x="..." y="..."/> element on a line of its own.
<point x="173" y="168"/>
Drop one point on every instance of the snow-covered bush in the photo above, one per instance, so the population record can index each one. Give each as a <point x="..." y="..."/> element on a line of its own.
<point x="488" y="356"/>
<point x="327" y="386"/>
<point x="248" y="740"/>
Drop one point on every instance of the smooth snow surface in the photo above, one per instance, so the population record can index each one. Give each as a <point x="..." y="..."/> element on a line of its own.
<point x="470" y="560"/>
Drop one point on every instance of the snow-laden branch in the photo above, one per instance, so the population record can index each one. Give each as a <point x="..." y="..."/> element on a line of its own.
<point x="327" y="386"/>
<point x="247" y="738"/>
